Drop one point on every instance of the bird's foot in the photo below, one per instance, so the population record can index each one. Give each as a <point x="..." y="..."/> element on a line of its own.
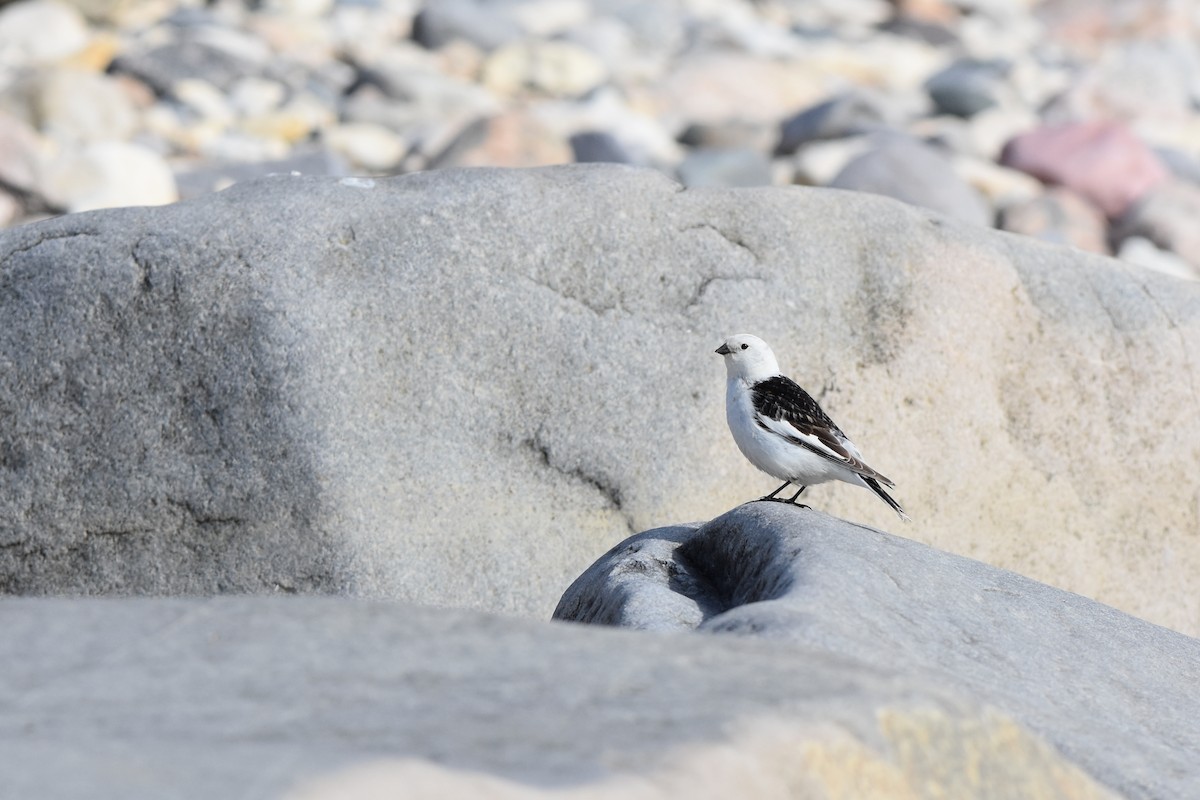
<point x="784" y="500"/>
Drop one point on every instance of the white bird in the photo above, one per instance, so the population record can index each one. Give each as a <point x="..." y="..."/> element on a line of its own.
<point x="781" y="429"/>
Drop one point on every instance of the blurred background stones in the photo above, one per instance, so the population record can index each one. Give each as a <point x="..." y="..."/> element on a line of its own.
<point x="1066" y="120"/>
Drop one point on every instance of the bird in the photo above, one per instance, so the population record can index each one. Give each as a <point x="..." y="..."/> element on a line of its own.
<point x="781" y="430"/>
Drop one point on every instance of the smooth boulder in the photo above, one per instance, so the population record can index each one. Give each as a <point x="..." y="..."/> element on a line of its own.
<point x="459" y="387"/>
<point x="321" y="698"/>
<point x="1112" y="692"/>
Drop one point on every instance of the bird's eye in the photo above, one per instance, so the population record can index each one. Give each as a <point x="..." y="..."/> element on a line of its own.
<point x="745" y="347"/>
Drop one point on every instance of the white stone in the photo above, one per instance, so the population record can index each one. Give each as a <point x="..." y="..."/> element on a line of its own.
<point x="363" y="34"/>
<point x="1000" y="185"/>
<point x="985" y="38"/>
<point x="253" y="96"/>
<point x="556" y="68"/>
<point x="544" y="18"/>
<point x="10" y="209"/>
<point x="164" y="122"/>
<point x="108" y="175"/>
<point x="300" y="8"/>
<point x="842" y="14"/>
<point x="715" y="86"/>
<point x="244" y="147"/>
<point x="992" y="128"/>
<point x="22" y="152"/>
<point x="818" y="163"/>
<point x="75" y="105"/>
<point x="366" y="145"/>
<point x="39" y="32"/>
<point x="130" y="15"/>
<point x="886" y="61"/>
<point x="205" y="99"/>
<point x="1144" y="253"/>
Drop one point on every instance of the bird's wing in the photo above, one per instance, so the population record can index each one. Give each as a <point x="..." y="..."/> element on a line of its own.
<point x="784" y="409"/>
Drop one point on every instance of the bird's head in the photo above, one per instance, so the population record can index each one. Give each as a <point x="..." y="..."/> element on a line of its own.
<point x="748" y="357"/>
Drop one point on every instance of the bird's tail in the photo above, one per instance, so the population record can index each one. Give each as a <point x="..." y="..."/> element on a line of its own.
<point x="874" y="486"/>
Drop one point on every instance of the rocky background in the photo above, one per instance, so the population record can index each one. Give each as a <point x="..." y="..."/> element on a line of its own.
<point x="300" y="418"/>
<point x="1072" y="121"/>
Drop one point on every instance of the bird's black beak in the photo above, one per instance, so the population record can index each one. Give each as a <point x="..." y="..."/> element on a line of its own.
<point x="723" y="350"/>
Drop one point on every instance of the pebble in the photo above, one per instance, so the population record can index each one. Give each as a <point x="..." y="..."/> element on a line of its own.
<point x="598" y="147"/>
<point x="21" y="154"/>
<point x="1054" y="118"/>
<point x="163" y="67"/>
<point x="1000" y="185"/>
<point x="10" y="209"/>
<point x="483" y="25"/>
<point x="712" y="87"/>
<point x="1135" y="80"/>
<point x="368" y="146"/>
<point x="967" y="87"/>
<point x="73" y="105"/>
<point x="730" y="133"/>
<point x="818" y="163"/>
<point x="1059" y="216"/>
<point x="1103" y="161"/>
<point x="252" y="96"/>
<point x="1143" y="252"/>
<point x="514" y="139"/>
<point x="1167" y="215"/>
<point x="39" y="33"/>
<point x="558" y="69"/>
<point x="110" y="174"/>
<point x="207" y="101"/>
<point x="915" y="173"/>
<point x="1179" y="163"/>
<point x="849" y="114"/>
<point x="733" y="166"/>
<point x="991" y="129"/>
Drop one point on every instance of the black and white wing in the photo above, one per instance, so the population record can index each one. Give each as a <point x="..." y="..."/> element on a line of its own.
<point x="784" y="409"/>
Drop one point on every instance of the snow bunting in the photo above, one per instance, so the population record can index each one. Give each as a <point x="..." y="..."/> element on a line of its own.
<point x="781" y="429"/>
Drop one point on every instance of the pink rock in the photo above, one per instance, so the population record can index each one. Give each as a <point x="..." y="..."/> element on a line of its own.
<point x="1103" y="161"/>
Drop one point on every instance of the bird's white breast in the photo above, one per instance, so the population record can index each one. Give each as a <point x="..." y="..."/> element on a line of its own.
<point x="771" y="453"/>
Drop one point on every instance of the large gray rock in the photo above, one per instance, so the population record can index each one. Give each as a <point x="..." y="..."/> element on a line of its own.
<point x="1115" y="694"/>
<point x="459" y="387"/>
<point x="322" y="698"/>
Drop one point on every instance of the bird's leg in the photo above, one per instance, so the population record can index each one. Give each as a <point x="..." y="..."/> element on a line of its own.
<point x="771" y="496"/>
<point x="792" y="500"/>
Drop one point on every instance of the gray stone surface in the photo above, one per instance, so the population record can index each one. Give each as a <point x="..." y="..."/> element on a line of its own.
<point x="459" y="387"/>
<point x="162" y="67"/>
<point x="725" y="166"/>
<point x="848" y="114"/>
<point x="1113" y="693"/>
<point x="592" y="147"/>
<point x="916" y="173"/>
<point x="244" y="698"/>
<point x="480" y="23"/>
<point x="967" y="86"/>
